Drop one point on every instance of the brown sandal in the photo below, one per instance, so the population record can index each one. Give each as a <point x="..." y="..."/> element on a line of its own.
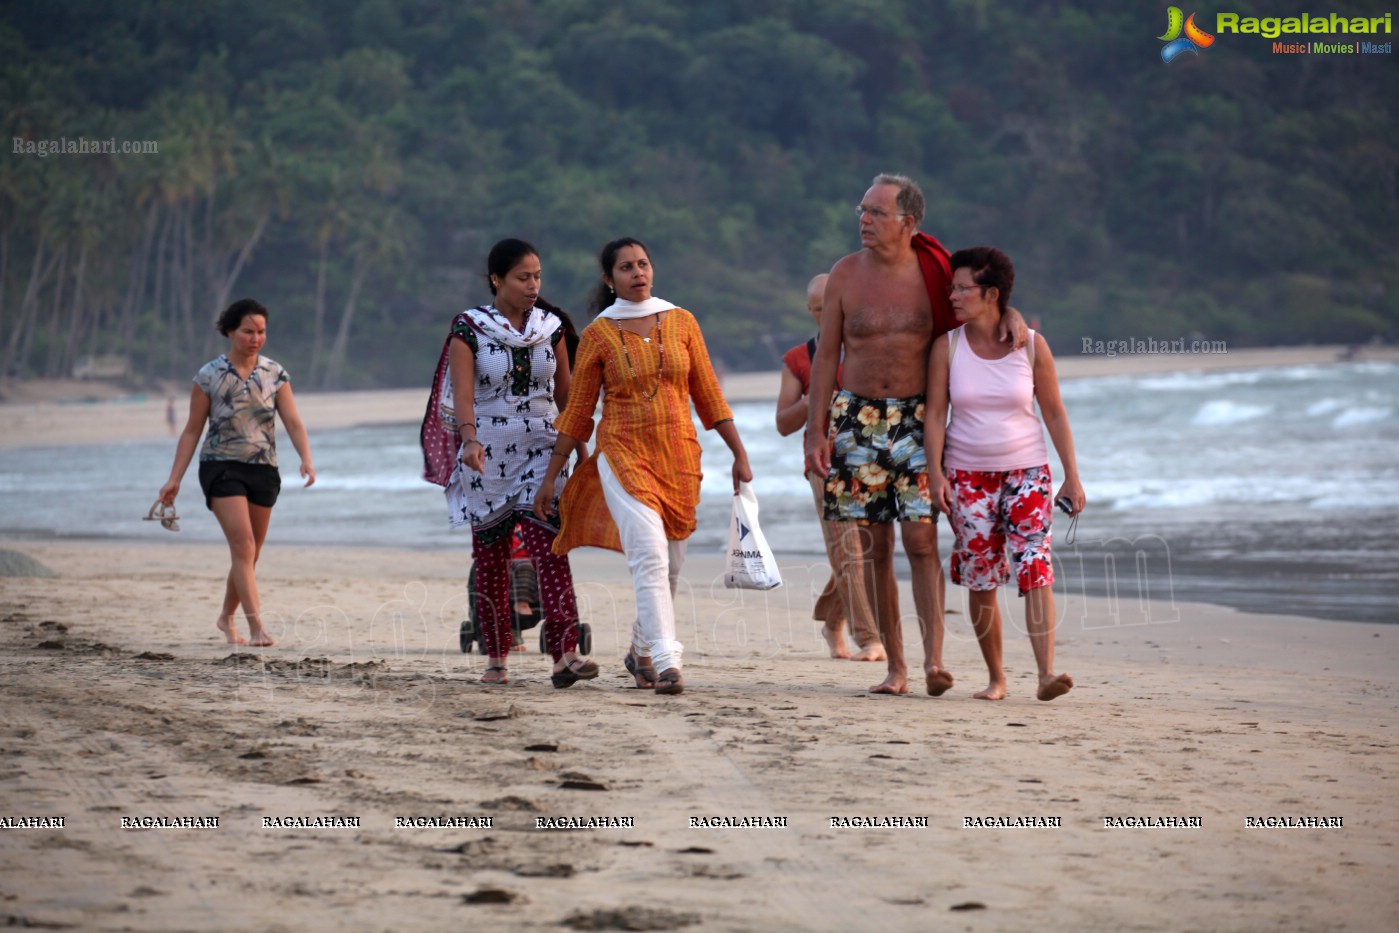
<point x="165" y="514"/>
<point x="670" y="682"/>
<point x="645" y="674"/>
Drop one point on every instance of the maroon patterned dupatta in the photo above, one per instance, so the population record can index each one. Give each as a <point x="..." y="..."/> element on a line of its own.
<point x="441" y="443"/>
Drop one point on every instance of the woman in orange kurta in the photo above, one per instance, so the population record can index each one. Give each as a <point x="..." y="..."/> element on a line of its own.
<point x="639" y="491"/>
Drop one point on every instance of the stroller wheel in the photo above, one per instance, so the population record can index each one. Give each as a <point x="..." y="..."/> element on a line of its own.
<point x="470" y="632"/>
<point x="585" y="638"/>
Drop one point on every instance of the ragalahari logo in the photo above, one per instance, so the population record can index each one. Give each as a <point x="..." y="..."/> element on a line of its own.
<point x="1176" y="44"/>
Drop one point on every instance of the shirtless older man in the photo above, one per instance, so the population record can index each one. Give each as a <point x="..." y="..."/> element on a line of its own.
<point x="884" y="306"/>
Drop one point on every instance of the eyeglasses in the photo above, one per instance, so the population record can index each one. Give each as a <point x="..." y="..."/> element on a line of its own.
<point x="963" y="289"/>
<point x="878" y="213"/>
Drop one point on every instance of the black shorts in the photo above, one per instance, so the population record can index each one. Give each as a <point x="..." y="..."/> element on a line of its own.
<point x="256" y="482"/>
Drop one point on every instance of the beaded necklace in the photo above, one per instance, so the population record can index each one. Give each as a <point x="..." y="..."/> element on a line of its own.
<point x="660" y="370"/>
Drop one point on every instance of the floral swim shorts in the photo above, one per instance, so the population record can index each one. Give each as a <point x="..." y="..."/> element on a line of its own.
<point x="993" y="511"/>
<point x="879" y="470"/>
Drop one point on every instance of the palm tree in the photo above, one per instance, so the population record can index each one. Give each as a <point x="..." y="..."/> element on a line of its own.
<point x="381" y="239"/>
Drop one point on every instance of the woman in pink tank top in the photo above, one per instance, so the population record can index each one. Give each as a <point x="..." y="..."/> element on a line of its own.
<point x="995" y="484"/>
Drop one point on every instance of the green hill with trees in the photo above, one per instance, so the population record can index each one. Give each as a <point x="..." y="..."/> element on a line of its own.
<point x="350" y="163"/>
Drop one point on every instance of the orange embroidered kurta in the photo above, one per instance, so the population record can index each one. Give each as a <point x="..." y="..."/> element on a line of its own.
<point x="649" y="443"/>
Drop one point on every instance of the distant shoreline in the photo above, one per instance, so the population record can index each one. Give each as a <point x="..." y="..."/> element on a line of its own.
<point x="60" y="412"/>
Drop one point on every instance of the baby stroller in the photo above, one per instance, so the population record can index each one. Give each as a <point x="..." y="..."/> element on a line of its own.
<point x="526" y="608"/>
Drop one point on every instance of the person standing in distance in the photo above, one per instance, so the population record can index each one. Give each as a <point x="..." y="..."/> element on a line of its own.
<point x="845" y="598"/>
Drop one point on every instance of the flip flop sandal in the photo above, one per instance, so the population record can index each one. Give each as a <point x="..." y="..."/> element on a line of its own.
<point x="670" y="682"/>
<point x="503" y="680"/>
<point x="576" y="670"/>
<point x="642" y="672"/>
<point x="165" y="514"/>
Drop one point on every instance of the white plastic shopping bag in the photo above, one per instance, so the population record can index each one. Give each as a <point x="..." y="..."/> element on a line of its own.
<point x="751" y="564"/>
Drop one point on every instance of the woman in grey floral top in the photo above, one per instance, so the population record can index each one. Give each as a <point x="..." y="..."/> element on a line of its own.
<point x="240" y="395"/>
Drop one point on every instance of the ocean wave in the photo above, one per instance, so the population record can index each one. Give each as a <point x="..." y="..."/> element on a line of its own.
<point x="1246" y="443"/>
<point x="1324" y="406"/>
<point x="1161" y="493"/>
<point x="1357" y="416"/>
<point x="1375" y="367"/>
<point x="1223" y="411"/>
<point x="1195" y="381"/>
<point x="365" y="482"/>
<point x="1095" y="387"/>
<point x="39" y="484"/>
<point x="1340" y="502"/>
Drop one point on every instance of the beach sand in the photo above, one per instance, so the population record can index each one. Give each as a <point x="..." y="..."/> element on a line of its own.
<point x="122" y="703"/>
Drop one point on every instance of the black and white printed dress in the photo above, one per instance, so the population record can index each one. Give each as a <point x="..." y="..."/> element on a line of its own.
<point x="515" y="414"/>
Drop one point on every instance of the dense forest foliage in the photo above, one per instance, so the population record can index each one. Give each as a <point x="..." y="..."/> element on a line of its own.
<point x="349" y="163"/>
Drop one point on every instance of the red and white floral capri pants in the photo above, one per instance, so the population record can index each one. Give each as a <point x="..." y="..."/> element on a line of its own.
<point x="993" y="512"/>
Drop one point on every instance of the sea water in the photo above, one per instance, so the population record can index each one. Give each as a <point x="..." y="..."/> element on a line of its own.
<point x="1268" y="489"/>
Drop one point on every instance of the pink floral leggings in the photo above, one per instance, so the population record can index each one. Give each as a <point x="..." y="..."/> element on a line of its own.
<point x="993" y="511"/>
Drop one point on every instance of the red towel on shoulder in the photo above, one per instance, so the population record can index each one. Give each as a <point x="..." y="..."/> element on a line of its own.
<point x="934" y="260"/>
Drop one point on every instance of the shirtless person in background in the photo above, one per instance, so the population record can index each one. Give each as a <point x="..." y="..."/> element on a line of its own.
<point x="847" y="597"/>
<point x="883" y="307"/>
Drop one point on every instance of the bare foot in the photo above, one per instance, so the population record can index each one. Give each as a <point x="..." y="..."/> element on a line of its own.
<point x="260" y="639"/>
<point x="835" y="640"/>
<point x="231" y="634"/>
<point x="939" y="681"/>
<point x="496" y="675"/>
<point x="1051" y="687"/>
<point x="874" y="651"/>
<point x="893" y="685"/>
<point x="995" y="690"/>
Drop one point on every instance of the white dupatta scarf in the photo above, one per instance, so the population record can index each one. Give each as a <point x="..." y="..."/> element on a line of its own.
<point x="623" y="310"/>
